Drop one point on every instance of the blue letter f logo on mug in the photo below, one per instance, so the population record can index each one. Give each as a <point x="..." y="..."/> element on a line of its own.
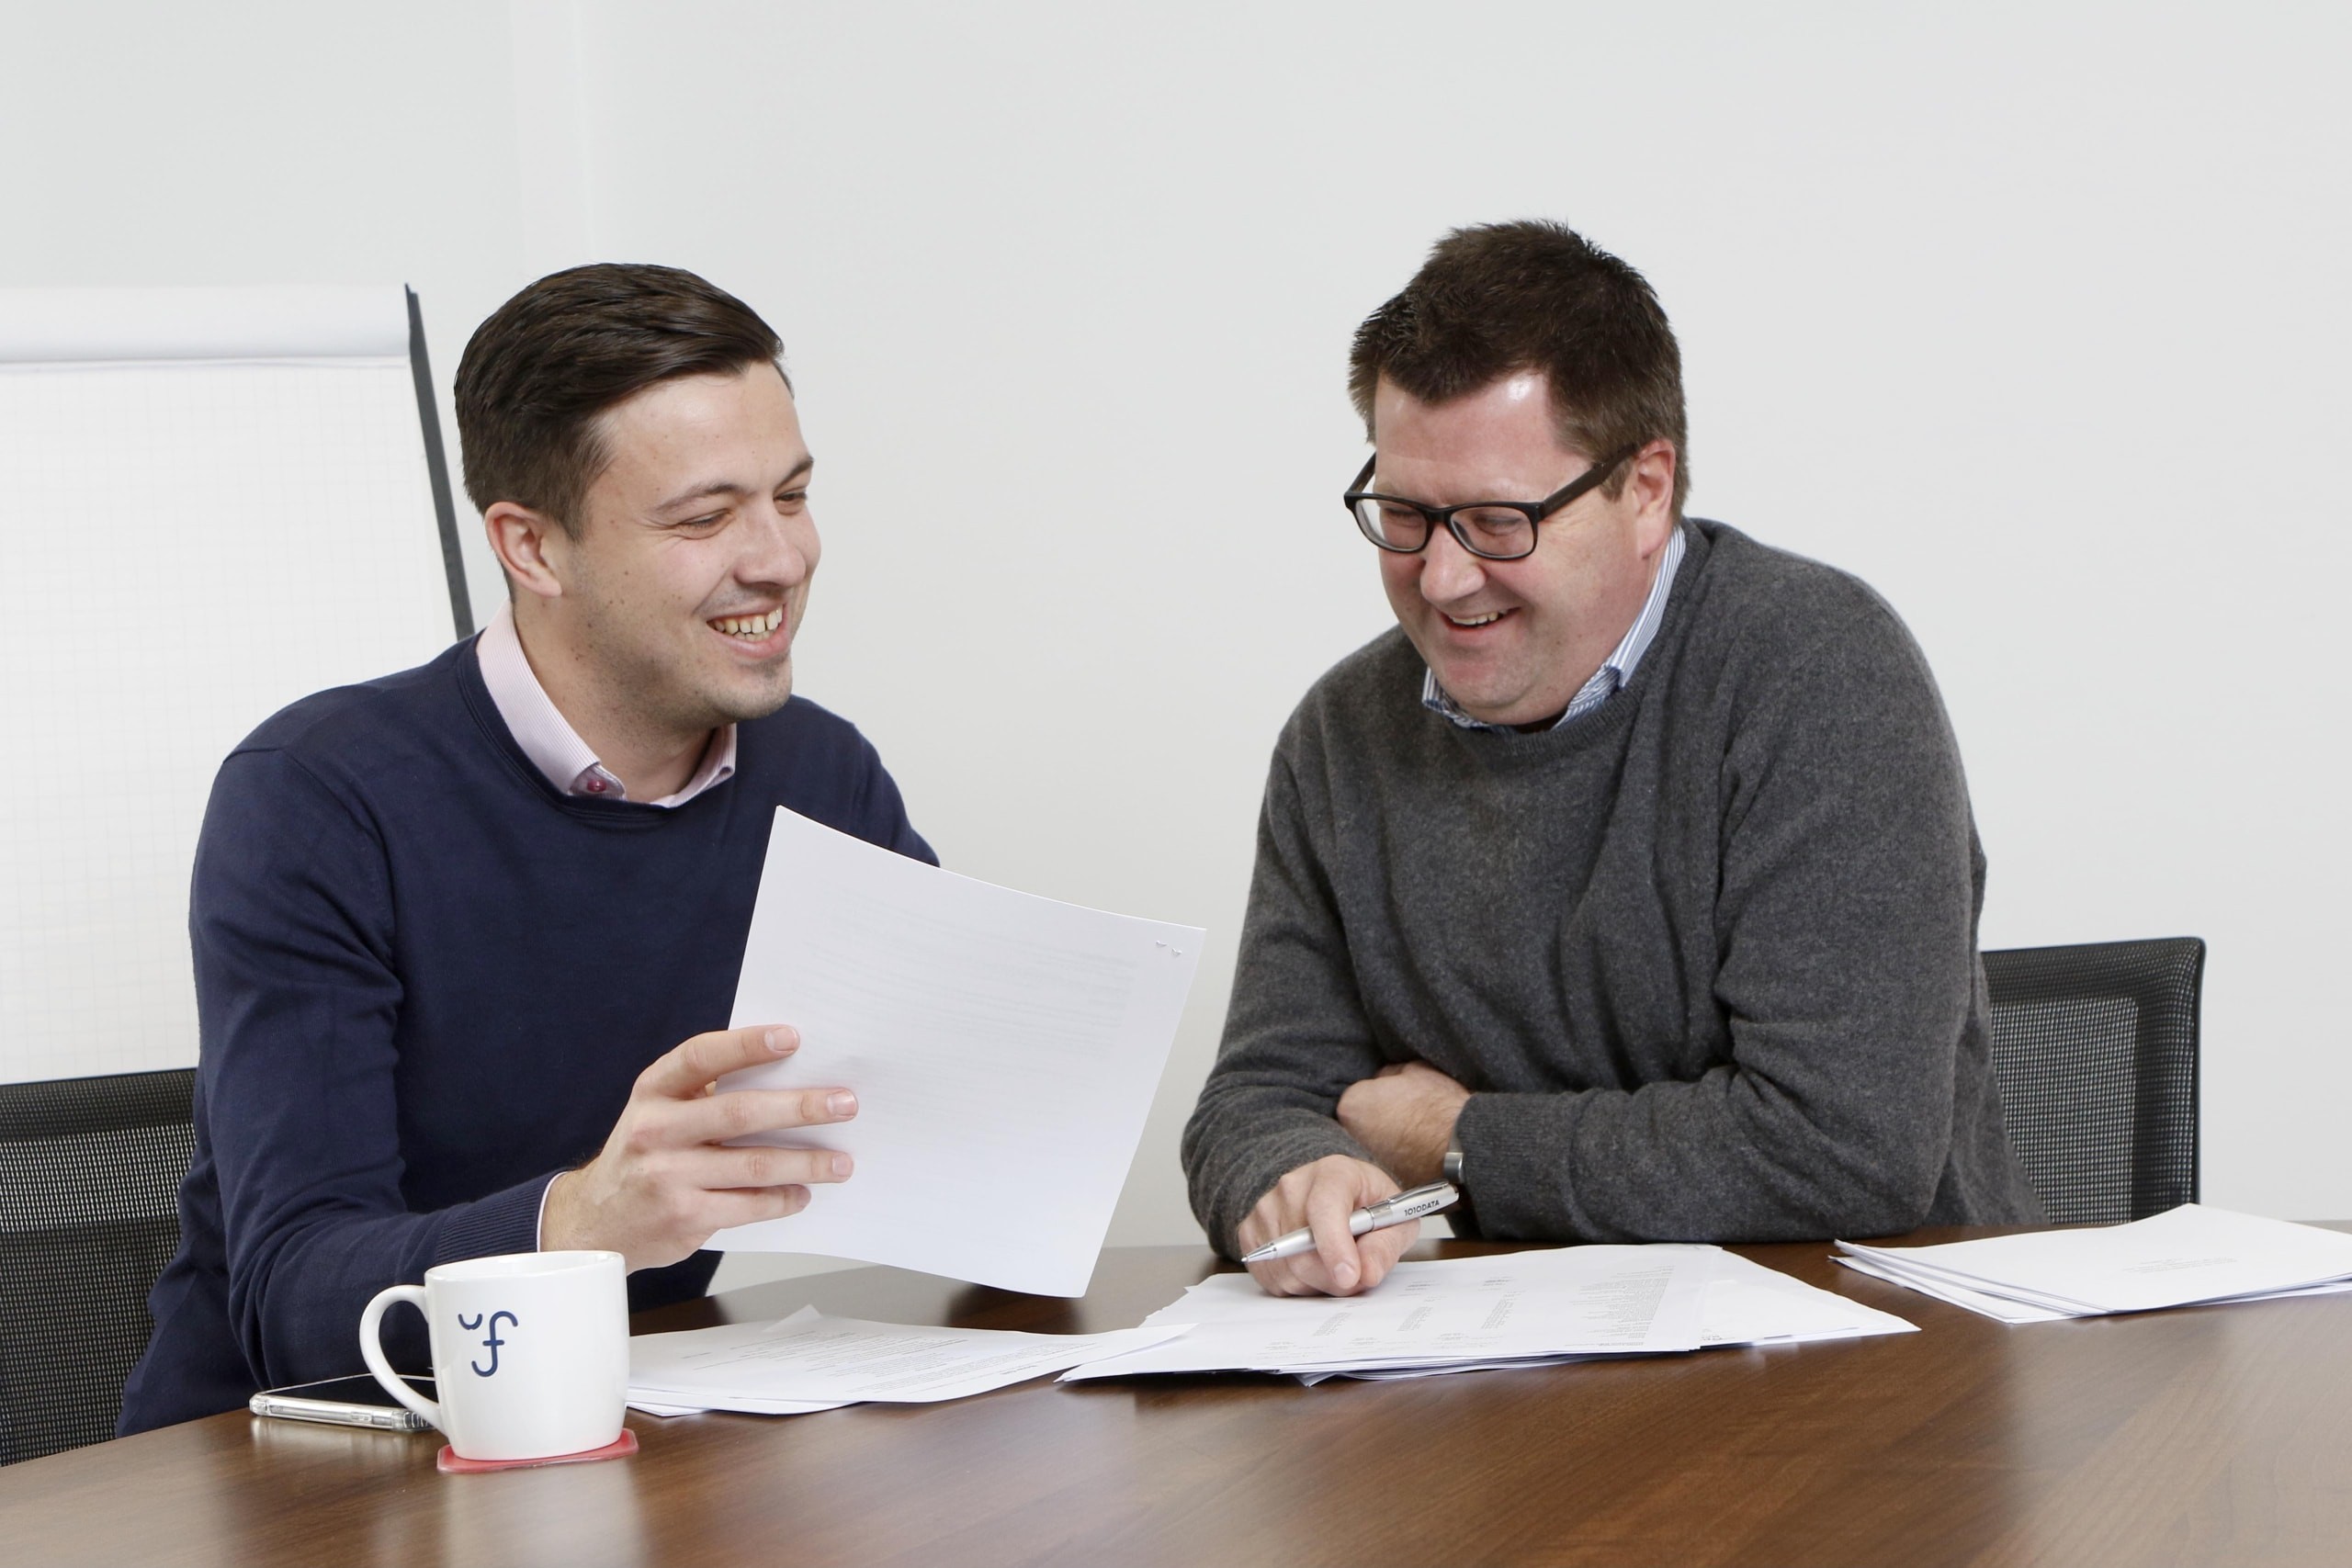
<point x="491" y="1342"/>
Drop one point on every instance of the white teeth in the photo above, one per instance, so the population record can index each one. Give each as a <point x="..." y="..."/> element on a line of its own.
<point x="1488" y="619"/>
<point x="751" y="627"/>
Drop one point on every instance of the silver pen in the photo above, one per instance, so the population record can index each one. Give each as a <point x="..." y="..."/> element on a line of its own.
<point x="1401" y="1209"/>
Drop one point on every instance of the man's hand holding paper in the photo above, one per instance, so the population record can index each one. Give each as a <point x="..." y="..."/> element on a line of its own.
<point x="665" y="1181"/>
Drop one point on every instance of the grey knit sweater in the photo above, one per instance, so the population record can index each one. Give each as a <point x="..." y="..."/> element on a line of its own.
<point x="1705" y="957"/>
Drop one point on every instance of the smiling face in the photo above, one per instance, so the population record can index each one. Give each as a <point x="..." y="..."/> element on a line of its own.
<point x="672" y="608"/>
<point x="1512" y="641"/>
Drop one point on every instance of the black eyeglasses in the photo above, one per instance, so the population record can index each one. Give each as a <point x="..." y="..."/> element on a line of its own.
<point x="1492" y="530"/>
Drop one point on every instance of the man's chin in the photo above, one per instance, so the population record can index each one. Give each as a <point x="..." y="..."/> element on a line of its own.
<point x="1507" y="704"/>
<point x="740" y="700"/>
<point x="731" y="696"/>
<point x="1477" y="687"/>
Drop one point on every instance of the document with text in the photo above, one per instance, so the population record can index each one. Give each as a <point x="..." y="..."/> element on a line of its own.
<point x="1576" y="1301"/>
<point x="808" y="1362"/>
<point x="1957" y="1295"/>
<point x="2181" y="1258"/>
<point x="1750" y="1305"/>
<point x="1004" y="1049"/>
<point x="1520" y="1309"/>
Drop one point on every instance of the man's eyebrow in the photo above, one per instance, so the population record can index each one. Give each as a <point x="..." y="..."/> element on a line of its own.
<point x="730" y="488"/>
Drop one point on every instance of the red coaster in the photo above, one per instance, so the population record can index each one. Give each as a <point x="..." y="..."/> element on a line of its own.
<point x="453" y="1463"/>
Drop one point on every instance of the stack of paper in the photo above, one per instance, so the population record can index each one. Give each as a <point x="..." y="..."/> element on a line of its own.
<point x="1512" y="1310"/>
<point x="2186" y="1257"/>
<point x="810" y="1362"/>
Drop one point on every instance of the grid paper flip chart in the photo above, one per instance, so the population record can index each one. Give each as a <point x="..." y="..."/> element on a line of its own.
<point x="212" y="501"/>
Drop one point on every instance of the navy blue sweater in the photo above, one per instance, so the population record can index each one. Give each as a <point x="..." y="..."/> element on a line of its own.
<point x="425" y="981"/>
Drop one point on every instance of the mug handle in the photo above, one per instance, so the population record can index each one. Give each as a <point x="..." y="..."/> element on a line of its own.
<point x="371" y="1349"/>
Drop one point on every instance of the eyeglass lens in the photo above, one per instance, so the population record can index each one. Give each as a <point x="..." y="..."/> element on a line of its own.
<point x="1485" y="530"/>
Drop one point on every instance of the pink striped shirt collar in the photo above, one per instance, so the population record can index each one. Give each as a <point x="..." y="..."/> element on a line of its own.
<point x="548" y="739"/>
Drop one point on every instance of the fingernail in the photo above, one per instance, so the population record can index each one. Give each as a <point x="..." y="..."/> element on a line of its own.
<point x="1345" y="1275"/>
<point x="840" y="1166"/>
<point x="842" y="1104"/>
<point x="783" y="1040"/>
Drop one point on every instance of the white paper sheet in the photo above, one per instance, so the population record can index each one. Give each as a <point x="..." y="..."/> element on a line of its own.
<point x="1750" y="1305"/>
<point x="666" y="1412"/>
<point x="1526" y="1309"/>
<point x="1573" y="1301"/>
<point x="739" y="1406"/>
<point x="1004" y="1049"/>
<point x="809" y="1361"/>
<point x="1977" y="1301"/>
<point x="1745" y="1303"/>
<point x="2183" y="1256"/>
<point x="1958" y="1288"/>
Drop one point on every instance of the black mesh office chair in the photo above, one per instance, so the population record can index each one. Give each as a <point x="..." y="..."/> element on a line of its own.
<point x="89" y="1179"/>
<point x="2095" y="1048"/>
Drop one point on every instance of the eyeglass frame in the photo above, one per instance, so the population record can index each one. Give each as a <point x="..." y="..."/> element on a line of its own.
<point x="1434" y="517"/>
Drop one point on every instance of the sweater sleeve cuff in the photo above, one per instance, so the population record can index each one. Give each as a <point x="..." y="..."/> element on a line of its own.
<point x="502" y="1223"/>
<point x="1512" y="1153"/>
<point x="1252" y="1175"/>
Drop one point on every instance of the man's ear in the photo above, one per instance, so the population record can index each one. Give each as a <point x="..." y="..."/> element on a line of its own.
<point x="1650" y="480"/>
<point x="530" y="545"/>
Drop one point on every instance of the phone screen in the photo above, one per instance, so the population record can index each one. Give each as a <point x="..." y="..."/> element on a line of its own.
<point x="360" y="1389"/>
<point x="355" y="1401"/>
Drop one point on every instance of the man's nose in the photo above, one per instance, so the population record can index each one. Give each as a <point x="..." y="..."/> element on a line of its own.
<point x="781" y="548"/>
<point x="1449" y="572"/>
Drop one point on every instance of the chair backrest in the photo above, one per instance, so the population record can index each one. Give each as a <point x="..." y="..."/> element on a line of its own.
<point x="2095" y="1048"/>
<point x="89" y="1179"/>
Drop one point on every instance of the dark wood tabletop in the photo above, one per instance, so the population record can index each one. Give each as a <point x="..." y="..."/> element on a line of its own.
<point x="2204" y="1436"/>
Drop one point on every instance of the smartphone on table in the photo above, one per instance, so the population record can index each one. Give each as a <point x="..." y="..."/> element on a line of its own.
<point x="358" y="1400"/>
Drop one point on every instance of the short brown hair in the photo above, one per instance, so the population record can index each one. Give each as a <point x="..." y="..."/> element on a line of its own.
<point x="539" y="371"/>
<point x="1534" y="295"/>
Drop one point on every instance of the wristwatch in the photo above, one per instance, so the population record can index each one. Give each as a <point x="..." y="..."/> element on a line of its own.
<point x="1452" y="1169"/>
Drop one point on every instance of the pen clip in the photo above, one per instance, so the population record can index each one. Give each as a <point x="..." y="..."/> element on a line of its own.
<point x="1396" y="1201"/>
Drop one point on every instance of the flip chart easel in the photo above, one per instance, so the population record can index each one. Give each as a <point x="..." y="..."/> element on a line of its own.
<point x="212" y="501"/>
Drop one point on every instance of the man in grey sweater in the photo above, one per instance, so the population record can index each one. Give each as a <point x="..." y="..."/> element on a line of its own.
<point x="1631" y="882"/>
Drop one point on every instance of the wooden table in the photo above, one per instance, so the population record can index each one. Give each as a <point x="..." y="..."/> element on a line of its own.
<point x="2219" y="1435"/>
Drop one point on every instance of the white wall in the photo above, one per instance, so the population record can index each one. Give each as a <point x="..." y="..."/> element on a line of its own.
<point x="2032" y="315"/>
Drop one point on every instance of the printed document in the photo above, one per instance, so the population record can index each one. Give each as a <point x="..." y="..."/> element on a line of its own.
<point x="1513" y="1309"/>
<point x="1750" y="1305"/>
<point x="1575" y="1301"/>
<point x="1004" y="1049"/>
<point x="1957" y="1295"/>
<point x="810" y="1362"/>
<point x="2181" y="1258"/>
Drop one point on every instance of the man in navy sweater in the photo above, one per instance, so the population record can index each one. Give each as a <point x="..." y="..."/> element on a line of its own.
<point x="466" y="937"/>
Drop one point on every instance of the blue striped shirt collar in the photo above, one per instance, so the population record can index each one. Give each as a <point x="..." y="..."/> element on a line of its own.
<point x="1614" y="671"/>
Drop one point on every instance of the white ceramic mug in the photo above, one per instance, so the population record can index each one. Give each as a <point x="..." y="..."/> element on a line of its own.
<point x="530" y="1351"/>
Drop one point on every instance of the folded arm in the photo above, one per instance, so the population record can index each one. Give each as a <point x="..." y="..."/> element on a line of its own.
<point x="1845" y="924"/>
